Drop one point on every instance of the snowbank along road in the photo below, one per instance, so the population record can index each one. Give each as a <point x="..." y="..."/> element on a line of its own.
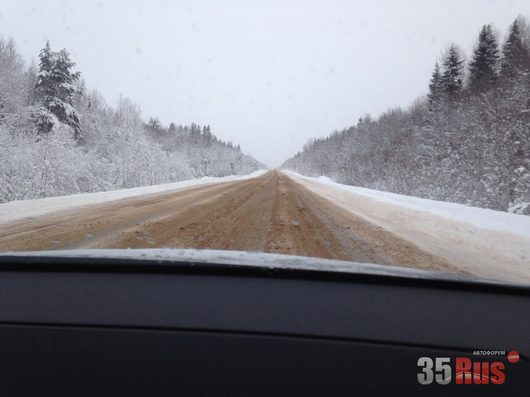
<point x="279" y="212"/>
<point x="269" y="213"/>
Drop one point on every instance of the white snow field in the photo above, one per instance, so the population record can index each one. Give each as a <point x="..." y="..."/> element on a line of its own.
<point x="483" y="242"/>
<point x="15" y="210"/>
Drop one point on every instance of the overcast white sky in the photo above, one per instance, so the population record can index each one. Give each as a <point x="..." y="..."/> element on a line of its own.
<point x="265" y="74"/>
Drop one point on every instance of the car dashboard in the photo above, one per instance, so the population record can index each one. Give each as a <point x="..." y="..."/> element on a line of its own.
<point x="192" y="322"/>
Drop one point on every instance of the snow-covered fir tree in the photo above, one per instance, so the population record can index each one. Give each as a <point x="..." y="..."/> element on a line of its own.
<point x="484" y="65"/>
<point x="56" y="88"/>
<point x="515" y="56"/>
<point x="453" y="70"/>
<point x="436" y="88"/>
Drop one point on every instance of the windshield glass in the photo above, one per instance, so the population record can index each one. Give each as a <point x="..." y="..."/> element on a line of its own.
<point x="388" y="133"/>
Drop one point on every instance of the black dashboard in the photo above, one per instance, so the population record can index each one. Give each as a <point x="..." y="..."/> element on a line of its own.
<point x="85" y="326"/>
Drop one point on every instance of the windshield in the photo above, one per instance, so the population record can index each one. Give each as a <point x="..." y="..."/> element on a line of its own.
<point x="387" y="133"/>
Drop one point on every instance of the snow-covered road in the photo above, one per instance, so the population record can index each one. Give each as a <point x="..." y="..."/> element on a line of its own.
<point x="16" y="210"/>
<point x="280" y="212"/>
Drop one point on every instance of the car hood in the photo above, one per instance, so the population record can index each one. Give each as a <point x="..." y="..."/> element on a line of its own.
<point x="168" y="258"/>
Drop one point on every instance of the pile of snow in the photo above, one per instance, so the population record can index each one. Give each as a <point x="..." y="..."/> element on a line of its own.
<point x="520" y="208"/>
<point x="483" y="242"/>
<point x="16" y="210"/>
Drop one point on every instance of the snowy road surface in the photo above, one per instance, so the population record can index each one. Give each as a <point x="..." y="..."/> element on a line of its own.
<point x="282" y="213"/>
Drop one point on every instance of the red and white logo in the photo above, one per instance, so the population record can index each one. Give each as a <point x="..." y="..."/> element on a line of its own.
<point x="513" y="357"/>
<point x="466" y="371"/>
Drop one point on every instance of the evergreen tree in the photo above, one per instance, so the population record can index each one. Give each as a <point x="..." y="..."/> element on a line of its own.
<point x="515" y="55"/>
<point x="484" y="65"/>
<point x="56" y="88"/>
<point x="435" y="87"/>
<point x="453" y="70"/>
<point x="44" y="85"/>
<point x="207" y="133"/>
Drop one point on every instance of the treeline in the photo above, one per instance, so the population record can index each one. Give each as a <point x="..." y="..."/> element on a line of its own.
<point x="58" y="138"/>
<point x="467" y="141"/>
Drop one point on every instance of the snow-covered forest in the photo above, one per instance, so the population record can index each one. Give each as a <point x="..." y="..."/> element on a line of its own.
<point x="57" y="137"/>
<point x="467" y="141"/>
